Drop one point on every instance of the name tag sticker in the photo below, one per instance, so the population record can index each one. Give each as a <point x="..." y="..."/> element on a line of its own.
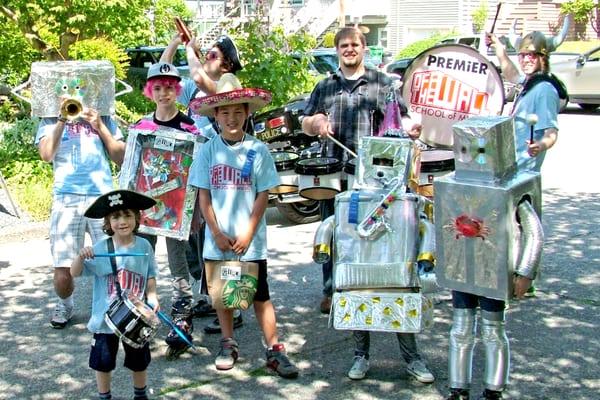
<point x="164" y="143"/>
<point x="231" y="273"/>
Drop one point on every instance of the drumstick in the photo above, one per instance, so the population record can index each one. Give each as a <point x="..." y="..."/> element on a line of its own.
<point x="186" y="34"/>
<point x="531" y="119"/>
<point x="334" y="140"/>
<point x="163" y="317"/>
<point x="120" y="254"/>
<point x="496" y="17"/>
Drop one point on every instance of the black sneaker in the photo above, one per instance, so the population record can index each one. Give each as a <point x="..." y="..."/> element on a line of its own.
<point x="203" y="309"/>
<point x="214" y="326"/>
<point x="458" y="394"/>
<point x="490" y="395"/>
<point x="278" y="361"/>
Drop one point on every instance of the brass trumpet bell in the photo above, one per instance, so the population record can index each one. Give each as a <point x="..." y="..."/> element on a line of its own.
<point x="71" y="108"/>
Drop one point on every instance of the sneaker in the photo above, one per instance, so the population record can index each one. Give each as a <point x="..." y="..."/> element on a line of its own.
<point x="203" y="309"/>
<point x="359" y="368"/>
<point x="228" y="354"/>
<point x="278" y="361"/>
<point x="490" y="395"/>
<point x="61" y="316"/>
<point x="458" y="394"/>
<point x="214" y="326"/>
<point x="419" y="370"/>
<point x="325" y="305"/>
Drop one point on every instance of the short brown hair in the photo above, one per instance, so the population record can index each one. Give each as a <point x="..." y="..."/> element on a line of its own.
<point x="349" y="32"/>
<point x="106" y="225"/>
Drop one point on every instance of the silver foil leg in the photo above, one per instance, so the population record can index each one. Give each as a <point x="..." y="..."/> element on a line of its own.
<point x="462" y="342"/>
<point x="497" y="351"/>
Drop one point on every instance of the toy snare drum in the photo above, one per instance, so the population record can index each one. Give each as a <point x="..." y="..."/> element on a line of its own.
<point x="434" y="164"/>
<point x="285" y="162"/>
<point x="131" y="320"/>
<point x="319" y="178"/>
<point x="350" y="172"/>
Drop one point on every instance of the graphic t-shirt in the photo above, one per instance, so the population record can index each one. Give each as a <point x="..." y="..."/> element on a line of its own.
<point x="234" y="182"/>
<point x="133" y="274"/>
<point x="81" y="164"/>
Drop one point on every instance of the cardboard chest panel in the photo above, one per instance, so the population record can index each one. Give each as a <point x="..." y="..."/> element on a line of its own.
<point x="382" y="310"/>
<point x="389" y="260"/>
<point x="477" y="233"/>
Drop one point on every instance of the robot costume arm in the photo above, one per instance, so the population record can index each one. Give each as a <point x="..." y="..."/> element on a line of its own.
<point x="322" y="241"/>
<point x="532" y="240"/>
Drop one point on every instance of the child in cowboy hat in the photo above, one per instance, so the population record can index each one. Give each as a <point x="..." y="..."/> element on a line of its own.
<point x="120" y="210"/>
<point x="234" y="173"/>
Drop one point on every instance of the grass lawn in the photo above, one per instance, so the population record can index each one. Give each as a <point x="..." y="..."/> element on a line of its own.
<point x="579" y="46"/>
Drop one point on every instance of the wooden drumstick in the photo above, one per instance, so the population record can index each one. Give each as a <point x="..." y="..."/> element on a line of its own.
<point x="334" y="140"/>
<point x="531" y="120"/>
<point x="186" y="34"/>
<point x="496" y="17"/>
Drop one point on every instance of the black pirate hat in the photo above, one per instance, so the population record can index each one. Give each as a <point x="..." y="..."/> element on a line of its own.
<point x="118" y="200"/>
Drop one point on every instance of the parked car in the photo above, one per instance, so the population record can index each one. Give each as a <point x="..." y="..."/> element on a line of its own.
<point x="580" y="73"/>
<point x="142" y="57"/>
<point x="281" y="130"/>
<point x="398" y="67"/>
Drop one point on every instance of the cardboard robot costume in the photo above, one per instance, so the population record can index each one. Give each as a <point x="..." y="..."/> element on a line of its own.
<point x="377" y="245"/>
<point x="487" y="231"/>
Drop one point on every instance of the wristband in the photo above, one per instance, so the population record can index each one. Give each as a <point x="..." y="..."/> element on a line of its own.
<point x="62" y="119"/>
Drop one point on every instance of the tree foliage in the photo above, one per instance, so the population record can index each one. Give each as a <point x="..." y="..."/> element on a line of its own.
<point x="101" y="49"/>
<point x="480" y="15"/>
<point x="580" y="9"/>
<point x="415" y="48"/>
<point x="274" y="61"/>
<point x="164" y="12"/>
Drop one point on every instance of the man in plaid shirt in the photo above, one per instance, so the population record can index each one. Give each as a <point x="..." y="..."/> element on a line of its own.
<point x="350" y="104"/>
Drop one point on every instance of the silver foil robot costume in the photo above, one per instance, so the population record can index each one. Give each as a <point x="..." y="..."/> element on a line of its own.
<point x="380" y="233"/>
<point x="488" y="232"/>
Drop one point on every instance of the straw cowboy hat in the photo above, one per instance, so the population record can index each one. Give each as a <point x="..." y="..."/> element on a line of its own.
<point x="229" y="92"/>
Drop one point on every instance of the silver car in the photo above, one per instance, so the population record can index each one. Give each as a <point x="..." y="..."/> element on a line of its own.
<point x="580" y="73"/>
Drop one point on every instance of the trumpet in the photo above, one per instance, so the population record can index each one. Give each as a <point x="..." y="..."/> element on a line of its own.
<point x="71" y="108"/>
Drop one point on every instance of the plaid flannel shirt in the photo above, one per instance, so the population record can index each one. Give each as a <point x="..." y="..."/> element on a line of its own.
<point x="355" y="109"/>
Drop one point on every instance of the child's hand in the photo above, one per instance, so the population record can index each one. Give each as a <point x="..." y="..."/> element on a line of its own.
<point x="521" y="284"/>
<point x="152" y="301"/>
<point x="241" y="243"/>
<point x="91" y="116"/>
<point x="86" y="253"/>
<point x="224" y="242"/>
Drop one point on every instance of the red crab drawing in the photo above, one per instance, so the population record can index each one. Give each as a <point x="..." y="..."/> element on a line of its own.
<point x="471" y="227"/>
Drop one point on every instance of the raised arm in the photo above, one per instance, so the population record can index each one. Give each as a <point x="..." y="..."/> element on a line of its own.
<point x="197" y="73"/>
<point x="510" y="71"/>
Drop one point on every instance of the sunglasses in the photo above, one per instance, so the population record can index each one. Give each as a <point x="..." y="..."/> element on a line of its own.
<point x="212" y="55"/>
<point x="529" y="56"/>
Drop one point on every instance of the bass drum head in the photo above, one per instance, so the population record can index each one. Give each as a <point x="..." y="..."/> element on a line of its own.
<point x="448" y="83"/>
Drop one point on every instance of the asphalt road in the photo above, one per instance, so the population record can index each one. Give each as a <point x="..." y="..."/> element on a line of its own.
<point x="554" y="337"/>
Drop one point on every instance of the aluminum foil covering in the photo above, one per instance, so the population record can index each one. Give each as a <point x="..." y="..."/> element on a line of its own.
<point x="157" y="164"/>
<point x="395" y="249"/>
<point x="380" y="159"/>
<point x="91" y="82"/>
<point x="381" y="310"/>
<point x="477" y="234"/>
<point x="484" y="148"/>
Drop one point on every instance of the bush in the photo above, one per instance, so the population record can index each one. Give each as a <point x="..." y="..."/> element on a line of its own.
<point x="416" y="48"/>
<point x="133" y="106"/>
<point x="479" y="16"/>
<point x="101" y="49"/>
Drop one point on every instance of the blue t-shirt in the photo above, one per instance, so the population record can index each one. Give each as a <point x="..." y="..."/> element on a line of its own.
<point x="543" y="101"/>
<point x="81" y="164"/>
<point x="133" y="272"/>
<point x="189" y="92"/>
<point x="219" y="168"/>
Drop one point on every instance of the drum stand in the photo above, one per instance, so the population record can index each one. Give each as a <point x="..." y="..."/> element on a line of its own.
<point x="5" y="187"/>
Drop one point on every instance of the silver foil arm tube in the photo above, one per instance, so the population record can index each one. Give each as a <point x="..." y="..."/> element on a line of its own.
<point x="532" y="240"/>
<point x="322" y="242"/>
<point x="427" y="241"/>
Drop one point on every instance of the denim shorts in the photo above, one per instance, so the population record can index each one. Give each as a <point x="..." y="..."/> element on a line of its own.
<point x="103" y="355"/>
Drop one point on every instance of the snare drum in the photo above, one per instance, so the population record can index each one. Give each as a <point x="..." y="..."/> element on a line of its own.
<point x="434" y="163"/>
<point x="350" y="171"/>
<point x="131" y="320"/>
<point x="285" y="162"/>
<point x="319" y="178"/>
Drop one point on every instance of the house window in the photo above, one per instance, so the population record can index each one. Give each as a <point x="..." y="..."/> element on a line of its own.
<point x="297" y="3"/>
<point x="382" y="34"/>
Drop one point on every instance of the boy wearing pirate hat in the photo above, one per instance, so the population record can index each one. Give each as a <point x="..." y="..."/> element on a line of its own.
<point x="234" y="173"/>
<point x="120" y="210"/>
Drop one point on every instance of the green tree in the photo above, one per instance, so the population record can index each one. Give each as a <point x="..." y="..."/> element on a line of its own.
<point x="581" y="10"/>
<point x="274" y="61"/>
<point x="479" y="16"/>
<point x="164" y="12"/>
